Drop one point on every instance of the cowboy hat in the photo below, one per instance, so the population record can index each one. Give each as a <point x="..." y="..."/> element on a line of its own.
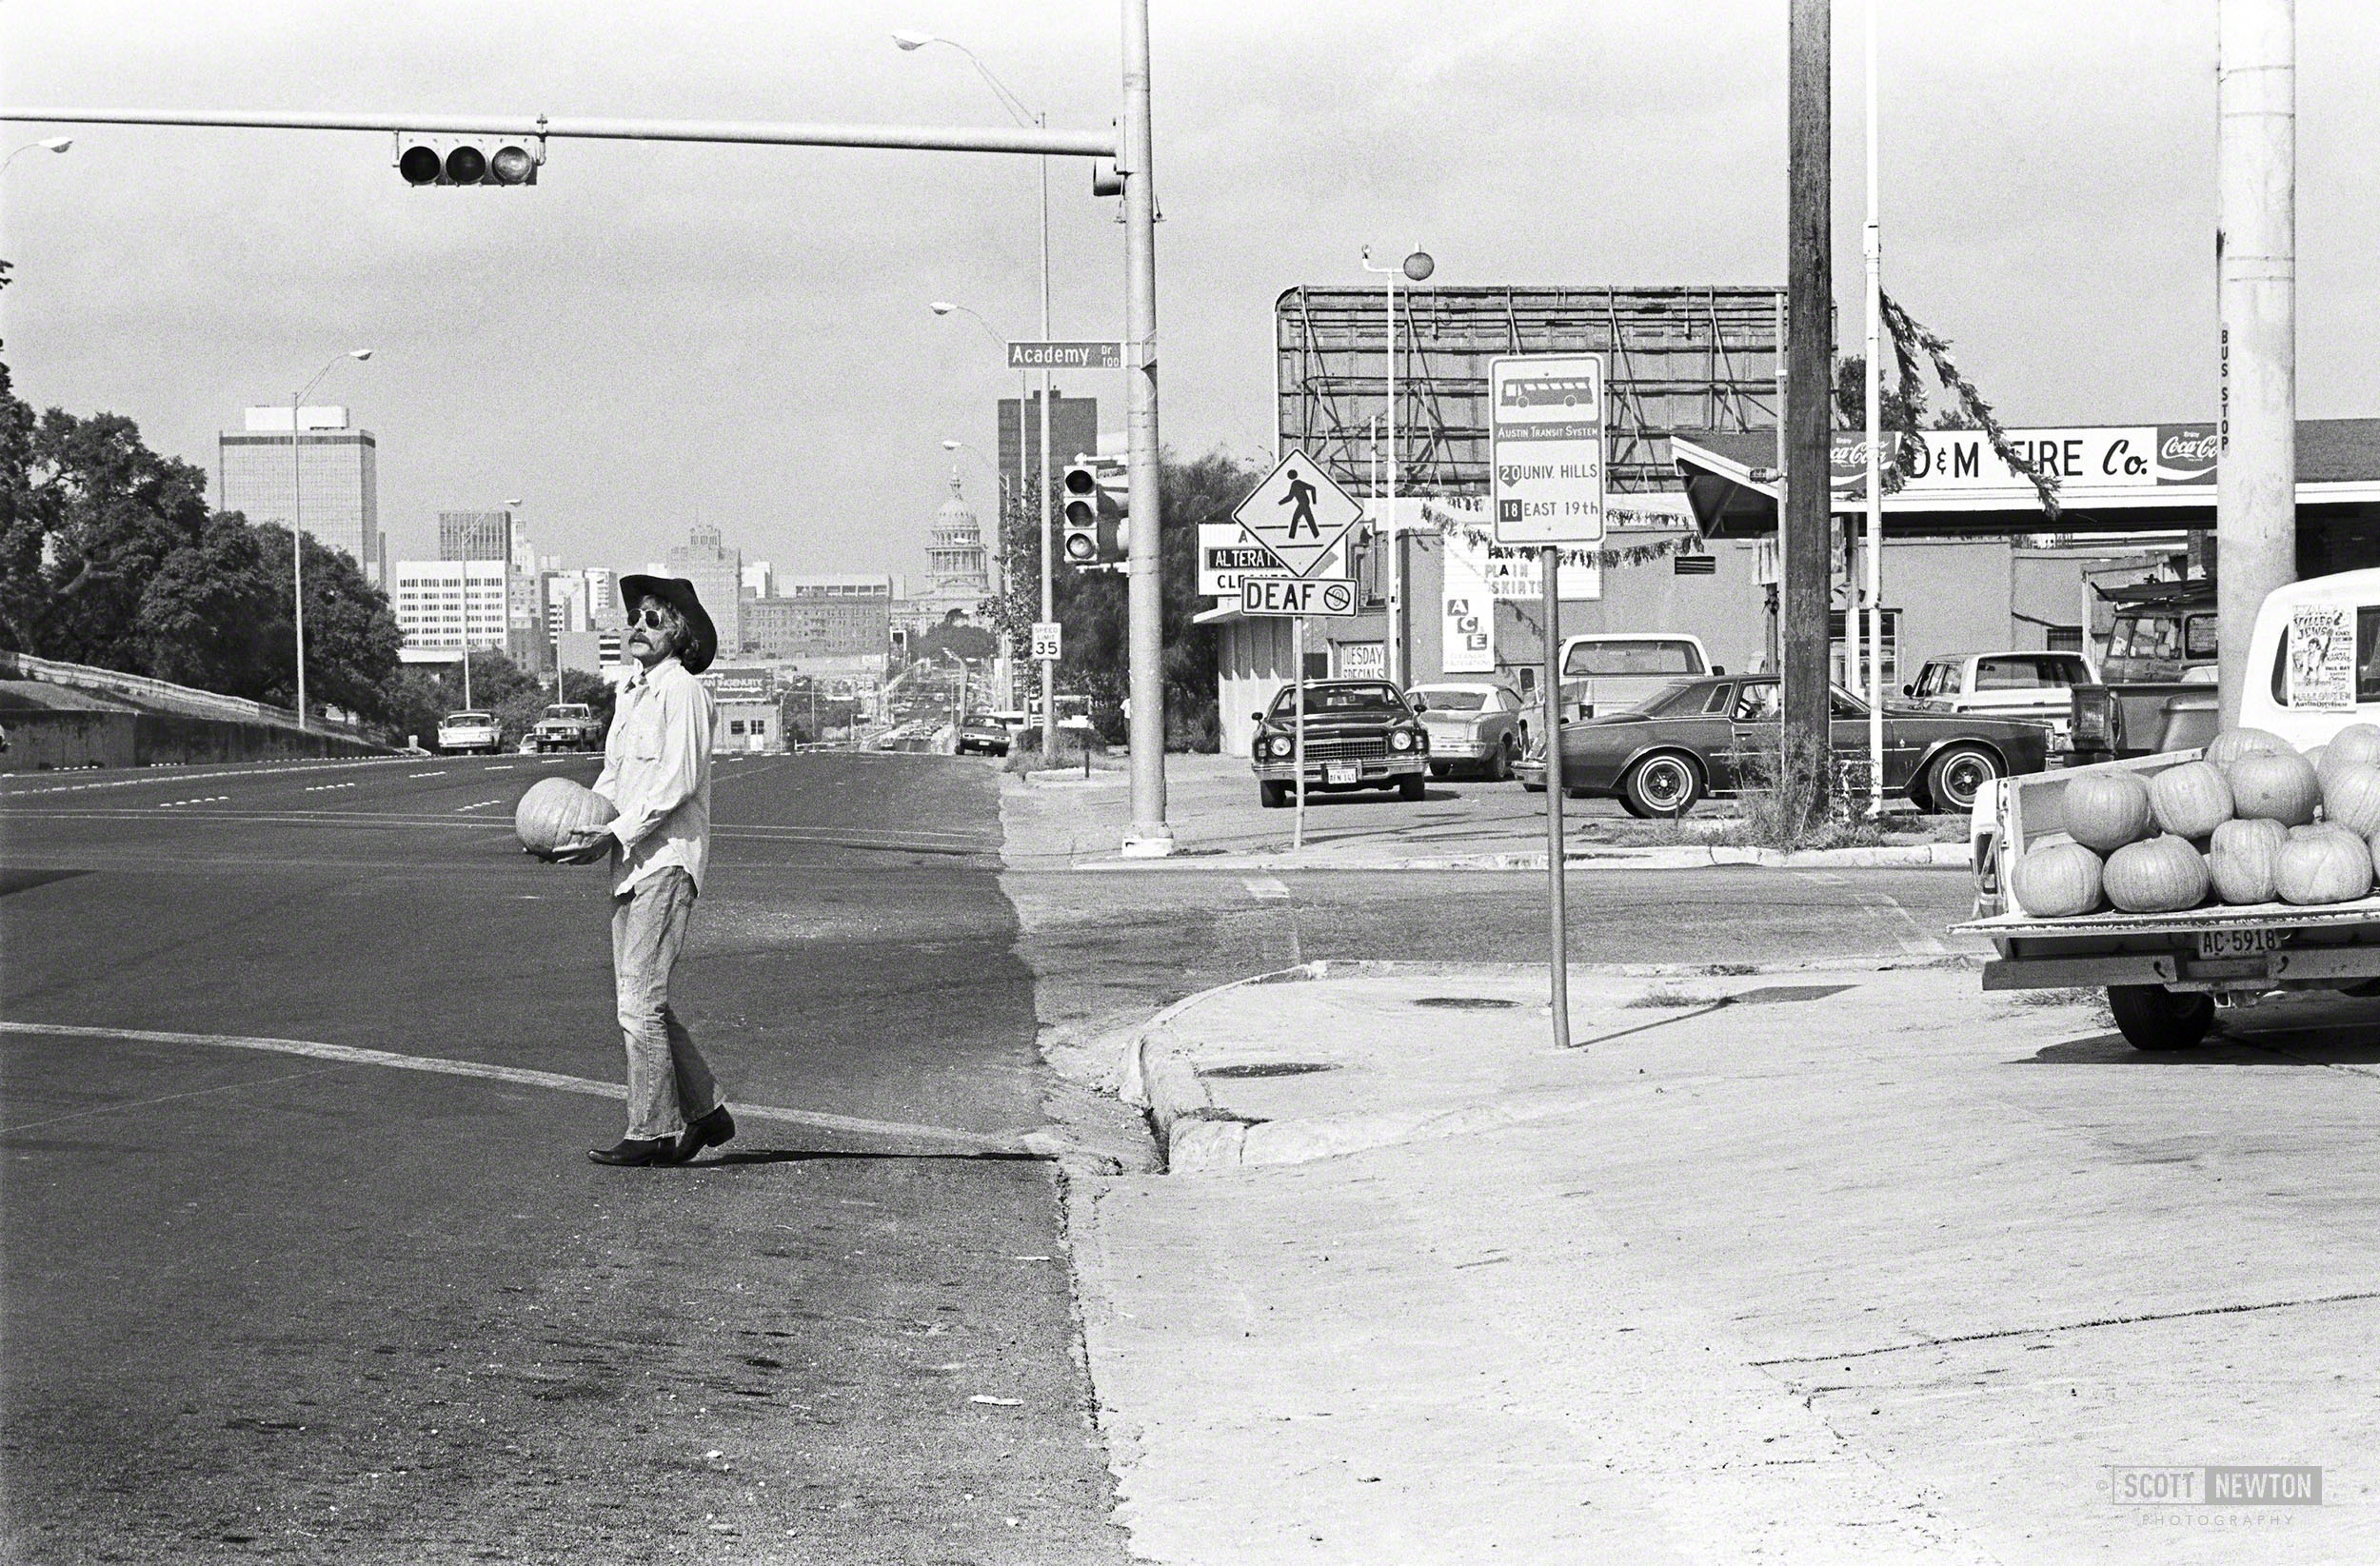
<point x="678" y="593"/>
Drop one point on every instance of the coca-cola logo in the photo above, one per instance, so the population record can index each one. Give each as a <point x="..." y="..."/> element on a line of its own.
<point x="2188" y="446"/>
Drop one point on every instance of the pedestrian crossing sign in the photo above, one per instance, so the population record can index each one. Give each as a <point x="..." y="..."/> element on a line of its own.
<point x="1302" y="516"/>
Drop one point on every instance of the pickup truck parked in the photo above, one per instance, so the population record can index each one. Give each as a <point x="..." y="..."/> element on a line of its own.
<point x="2314" y="669"/>
<point x="568" y="726"/>
<point x="2155" y="691"/>
<point x="1618" y="671"/>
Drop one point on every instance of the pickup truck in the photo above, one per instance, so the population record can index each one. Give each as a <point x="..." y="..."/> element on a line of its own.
<point x="1618" y="671"/>
<point x="2005" y="684"/>
<point x="2166" y="974"/>
<point x="2155" y="690"/>
<point x="568" y="726"/>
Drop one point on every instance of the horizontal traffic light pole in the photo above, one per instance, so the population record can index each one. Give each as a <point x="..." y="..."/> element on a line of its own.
<point x="1030" y="139"/>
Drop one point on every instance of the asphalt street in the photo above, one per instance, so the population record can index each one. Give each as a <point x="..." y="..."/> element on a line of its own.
<point x="266" y="1297"/>
<point x="263" y="1301"/>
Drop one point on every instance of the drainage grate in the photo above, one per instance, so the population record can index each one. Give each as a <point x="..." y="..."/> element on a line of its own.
<point x="1268" y="1068"/>
<point x="1465" y="1002"/>
<point x="1781" y="994"/>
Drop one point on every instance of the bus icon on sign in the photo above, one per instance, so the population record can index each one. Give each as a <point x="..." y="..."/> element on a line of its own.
<point x="1559" y="396"/>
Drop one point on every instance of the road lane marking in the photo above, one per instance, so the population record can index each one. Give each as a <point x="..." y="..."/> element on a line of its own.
<point x="1265" y="888"/>
<point x="507" y="768"/>
<point x="481" y="806"/>
<point x="176" y="805"/>
<point x="324" y="789"/>
<point x="1009" y="1143"/>
<point x="439" y="773"/>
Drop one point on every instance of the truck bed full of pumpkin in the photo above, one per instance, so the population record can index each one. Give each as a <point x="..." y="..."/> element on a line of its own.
<point x="2210" y="916"/>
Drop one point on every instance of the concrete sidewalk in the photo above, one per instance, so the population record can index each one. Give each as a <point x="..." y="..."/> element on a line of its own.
<point x="1841" y="1263"/>
<point x="1064" y="821"/>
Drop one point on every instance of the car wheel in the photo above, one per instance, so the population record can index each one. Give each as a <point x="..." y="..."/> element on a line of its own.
<point x="1413" y="785"/>
<point x="2154" y="1017"/>
<point x="1957" y="776"/>
<point x="1274" y="795"/>
<point x="1439" y="770"/>
<point x="1500" y="764"/>
<point x="1662" y="784"/>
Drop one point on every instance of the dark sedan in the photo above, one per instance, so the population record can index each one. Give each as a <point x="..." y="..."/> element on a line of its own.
<point x="981" y="731"/>
<point x="1359" y="734"/>
<point x="1720" y="737"/>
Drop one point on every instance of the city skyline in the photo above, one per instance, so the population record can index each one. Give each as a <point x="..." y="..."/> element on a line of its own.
<point x="717" y="333"/>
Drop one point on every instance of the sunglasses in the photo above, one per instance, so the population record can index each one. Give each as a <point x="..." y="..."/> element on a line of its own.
<point x="650" y="617"/>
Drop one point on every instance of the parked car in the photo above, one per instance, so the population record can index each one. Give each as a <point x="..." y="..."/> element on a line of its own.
<point x="568" y="726"/>
<point x="1714" y="736"/>
<point x="983" y="732"/>
<point x="1478" y="726"/>
<point x="459" y="733"/>
<point x="1358" y="733"/>
<point x="1613" y="671"/>
<point x="2009" y="684"/>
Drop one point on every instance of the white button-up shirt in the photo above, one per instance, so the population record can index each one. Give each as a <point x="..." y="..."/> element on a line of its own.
<point x="657" y="774"/>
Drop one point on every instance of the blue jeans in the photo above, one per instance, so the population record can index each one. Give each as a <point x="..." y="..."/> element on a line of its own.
<point x="669" y="1083"/>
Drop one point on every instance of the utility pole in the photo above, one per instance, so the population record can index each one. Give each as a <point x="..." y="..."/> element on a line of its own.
<point x="2255" y="530"/>
<point x="1803" y="521"/>
<point x="1148" y="836"/>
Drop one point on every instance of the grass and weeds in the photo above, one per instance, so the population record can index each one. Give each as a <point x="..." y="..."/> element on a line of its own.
<point x="1662" y="998"/>
<point x="1025" y="754"/>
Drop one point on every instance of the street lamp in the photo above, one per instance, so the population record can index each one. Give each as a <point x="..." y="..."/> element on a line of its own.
<point x="1417" y="266"/>
<point x="297" y="525"/>
<point x="909" y="41"/>
<point x="999" y="529"/>
<point x="52" y="144"/>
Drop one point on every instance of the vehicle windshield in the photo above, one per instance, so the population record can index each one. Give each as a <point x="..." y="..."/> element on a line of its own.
<point x="1348" y="699"/>
<point x="568" y="709"/>
<point x="1684" y="698"/>
<point x="1633" y="658"/>
<point x="468" y="718"/>
<point x="1451" y="701"/>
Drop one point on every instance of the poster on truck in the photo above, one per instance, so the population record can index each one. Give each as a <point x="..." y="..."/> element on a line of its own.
<point x="2322" y="658"/>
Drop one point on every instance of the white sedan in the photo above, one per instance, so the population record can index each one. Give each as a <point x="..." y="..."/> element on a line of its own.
<point x="458" y="732"/>
<point x="1472" y="724"/>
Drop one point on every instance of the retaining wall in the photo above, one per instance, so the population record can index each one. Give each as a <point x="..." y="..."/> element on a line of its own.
<point x="45" y="739"/>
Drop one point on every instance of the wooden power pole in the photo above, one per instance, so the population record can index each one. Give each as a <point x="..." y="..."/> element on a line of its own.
<point x="1805" y="521"/>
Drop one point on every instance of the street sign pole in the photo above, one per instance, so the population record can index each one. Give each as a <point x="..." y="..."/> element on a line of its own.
<point x="1297" y="667"/>
<point x="1557" y="871"/>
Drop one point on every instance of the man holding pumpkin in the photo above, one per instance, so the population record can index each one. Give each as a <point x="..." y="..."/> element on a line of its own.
<point x="657" y="774"/>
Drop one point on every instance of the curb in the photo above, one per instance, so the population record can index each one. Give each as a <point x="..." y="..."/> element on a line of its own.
<point x="1920" y="856"/>
<point x="1195" y="1136"/>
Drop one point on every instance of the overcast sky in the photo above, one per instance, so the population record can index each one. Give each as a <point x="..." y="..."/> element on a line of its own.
<point x="655" y="331"/>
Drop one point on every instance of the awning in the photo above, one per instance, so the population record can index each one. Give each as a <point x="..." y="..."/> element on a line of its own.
<point x="2112" y="479"/>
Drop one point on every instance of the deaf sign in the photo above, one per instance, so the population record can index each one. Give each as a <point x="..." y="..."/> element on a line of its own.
<point x="1295" y="596"/>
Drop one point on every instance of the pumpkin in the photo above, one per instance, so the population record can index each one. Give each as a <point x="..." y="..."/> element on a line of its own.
<point x="2320" y="827"/>
<point x="2105" y="810"/>
<point x="2232" y="743"/>
<point x="2314" y="757"/>
<point x="2158" y="876"/>
<point x="2355" y="743"/>
<point x="2274" y="785"/>
<point x="2322" y="868"/>
<point x="2350" y="795"/>
<point x="2240" y="859"/>
<point x="2056" y="880"/>
<point x="2192" y="799"/>
<point x="555" y="811"/>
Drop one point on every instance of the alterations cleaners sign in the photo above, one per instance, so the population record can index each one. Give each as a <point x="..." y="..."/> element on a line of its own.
<point x="1545" y="448"/>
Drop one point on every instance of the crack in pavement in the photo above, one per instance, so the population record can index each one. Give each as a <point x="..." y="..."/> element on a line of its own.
<point x="2069" y="1326"/>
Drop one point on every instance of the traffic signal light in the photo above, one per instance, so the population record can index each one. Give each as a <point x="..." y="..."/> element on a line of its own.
<point x="469" y="161"/>
<point x="1093" y="513"/>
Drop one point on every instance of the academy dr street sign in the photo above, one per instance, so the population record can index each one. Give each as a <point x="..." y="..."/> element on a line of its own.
<point x="1545" y="448"/>
<point x="1066" y="355"/>
<point x="1302" y="516"/>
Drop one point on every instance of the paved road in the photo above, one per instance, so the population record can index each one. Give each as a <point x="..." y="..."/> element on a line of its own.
<point x="264" y="1300"/>
<point x="272" y="1301"/>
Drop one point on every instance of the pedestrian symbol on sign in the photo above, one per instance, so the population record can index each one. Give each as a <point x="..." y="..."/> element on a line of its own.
<point x="1301" y="494"/>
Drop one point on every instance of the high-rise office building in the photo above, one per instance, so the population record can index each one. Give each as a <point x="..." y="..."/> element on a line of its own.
<point x="444" y="605"/>
<point x="334" y="492"/>
<point x="1074" y="431"/>
<point x="717" y="573"/>
<point x="475" y="535"/>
